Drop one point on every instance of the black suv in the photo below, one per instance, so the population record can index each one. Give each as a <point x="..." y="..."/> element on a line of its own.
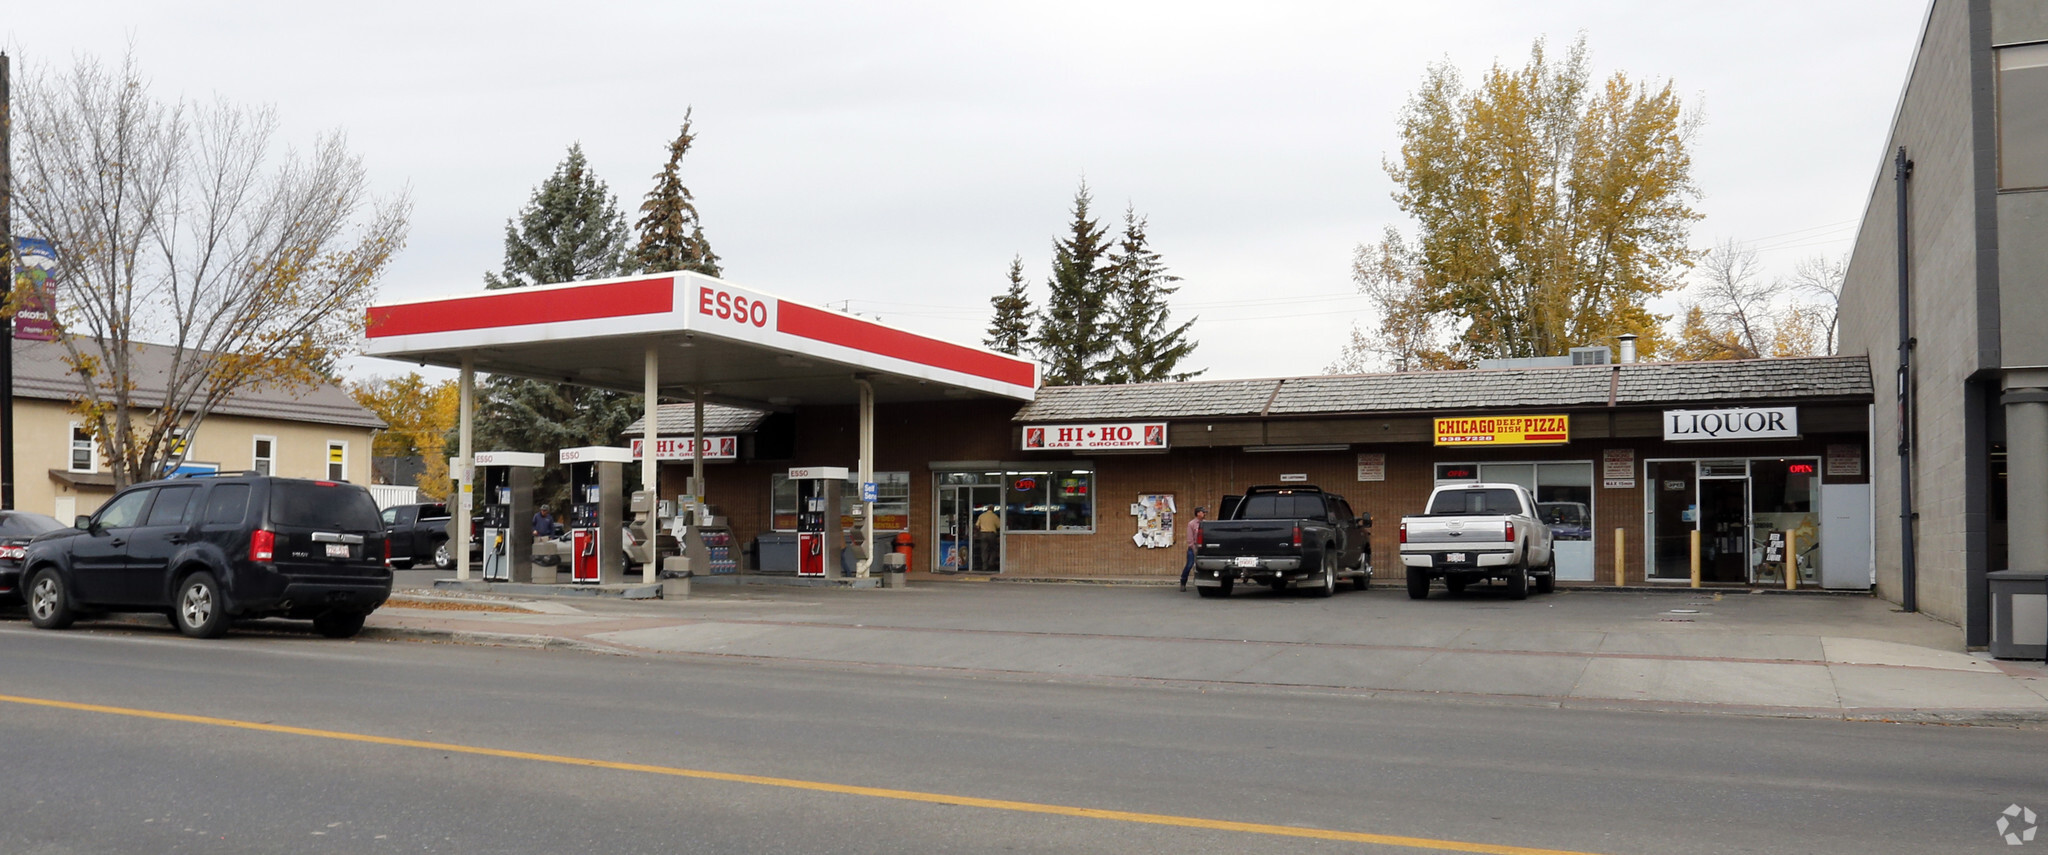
<point x="211" y="549"/>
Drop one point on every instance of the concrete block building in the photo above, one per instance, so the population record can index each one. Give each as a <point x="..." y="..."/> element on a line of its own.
<point x="1947" y="295"/>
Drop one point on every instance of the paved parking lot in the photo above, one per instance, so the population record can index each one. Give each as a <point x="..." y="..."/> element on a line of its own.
<point x="1798" y="655"/>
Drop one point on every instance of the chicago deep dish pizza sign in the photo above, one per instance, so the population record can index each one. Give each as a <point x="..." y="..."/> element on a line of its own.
<point x="1140" y="435"/>
<point x="1503" y="430"/>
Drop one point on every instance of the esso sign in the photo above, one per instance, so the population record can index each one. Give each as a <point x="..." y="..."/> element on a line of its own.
<point x="737" y="308"/>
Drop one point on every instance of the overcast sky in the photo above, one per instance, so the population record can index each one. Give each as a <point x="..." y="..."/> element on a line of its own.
<point x="893" y="157"/>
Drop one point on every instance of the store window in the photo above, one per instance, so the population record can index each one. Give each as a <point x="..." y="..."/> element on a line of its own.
<point x="2023" y="116"/>
<point x="892" y="502"/>
<point x="84" y="451"/>
<point x="1049" y="500"/>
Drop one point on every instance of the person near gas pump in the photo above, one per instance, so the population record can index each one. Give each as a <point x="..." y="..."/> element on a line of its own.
<point x="1194" y="537"/>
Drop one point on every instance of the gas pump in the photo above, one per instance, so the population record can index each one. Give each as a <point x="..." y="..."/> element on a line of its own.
<point x="507" y="481"/>
<point x="596" y="513"/>
<point x="817" y="518"/>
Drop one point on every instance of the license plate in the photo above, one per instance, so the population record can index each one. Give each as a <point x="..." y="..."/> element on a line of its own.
<point x="1454" y="558"/>
<point x="337" y="550"/>
<point x="1247" y="561"/>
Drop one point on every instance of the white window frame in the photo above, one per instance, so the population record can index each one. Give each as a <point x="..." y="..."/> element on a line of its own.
<point x="92" y="450"/>
<point x="258" y="463"/>
<point x="333" y="444"/>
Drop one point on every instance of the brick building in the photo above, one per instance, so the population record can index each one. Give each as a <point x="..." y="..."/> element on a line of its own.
<point x="1076" y="475"/>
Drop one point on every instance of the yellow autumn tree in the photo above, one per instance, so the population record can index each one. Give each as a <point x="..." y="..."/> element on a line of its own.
<point x="1548" y="210"/>
<point x="420" y="415"/>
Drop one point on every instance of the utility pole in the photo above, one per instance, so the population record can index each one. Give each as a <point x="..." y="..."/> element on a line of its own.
<point x="6" y="269"/>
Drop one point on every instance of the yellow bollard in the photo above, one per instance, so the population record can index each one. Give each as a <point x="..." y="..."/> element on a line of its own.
<point x="1695" y="558"/>
<point x="1791" y="560"/>
<point x="1620" y="563"/>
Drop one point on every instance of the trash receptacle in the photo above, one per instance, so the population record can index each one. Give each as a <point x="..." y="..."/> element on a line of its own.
<point x="2019" y="614"/>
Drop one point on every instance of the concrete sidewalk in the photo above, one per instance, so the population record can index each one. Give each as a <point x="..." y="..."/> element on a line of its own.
<point x="1797" y="656"/>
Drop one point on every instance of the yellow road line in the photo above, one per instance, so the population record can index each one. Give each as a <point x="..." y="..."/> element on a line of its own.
<point x="814" y="786"/>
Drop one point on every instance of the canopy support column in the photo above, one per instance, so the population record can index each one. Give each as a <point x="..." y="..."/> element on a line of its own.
<point x="465" y="471"/>
<point x="650" y="464"/>
<point x="866" y="530"/>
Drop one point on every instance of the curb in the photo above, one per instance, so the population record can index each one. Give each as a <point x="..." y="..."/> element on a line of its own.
<point x="484" y="639"/>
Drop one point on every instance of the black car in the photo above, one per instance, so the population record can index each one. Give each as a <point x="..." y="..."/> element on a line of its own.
<point x="207" y="550"/>
<point x="16" y="529"/>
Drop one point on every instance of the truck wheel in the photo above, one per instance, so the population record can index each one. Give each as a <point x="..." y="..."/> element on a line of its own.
<point x="1329" y="585"/>
<point x="1418" y="584"/>
<point x="1518" y="583"/>
<point x="443" y="559"/>
<point x="1217" y="591"/>
<point x="1547" y="582"/>
<point x="1363" y="581"/>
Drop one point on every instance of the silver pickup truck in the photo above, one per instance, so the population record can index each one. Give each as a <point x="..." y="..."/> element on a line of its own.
<point x="1475" y="532"/>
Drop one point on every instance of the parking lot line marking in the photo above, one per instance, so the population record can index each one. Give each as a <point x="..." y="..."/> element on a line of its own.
<point x="813" y="786"/>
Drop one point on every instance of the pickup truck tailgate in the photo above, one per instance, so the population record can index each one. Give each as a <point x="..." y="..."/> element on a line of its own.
<point x="1454" y="530"/>
<point x="1246" y="537"/>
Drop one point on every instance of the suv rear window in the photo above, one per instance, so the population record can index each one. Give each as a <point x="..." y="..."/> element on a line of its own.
<point x="313" y="504"/>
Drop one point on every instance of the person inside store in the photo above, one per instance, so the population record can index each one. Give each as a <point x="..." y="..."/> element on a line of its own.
<point x="986" y="526"/>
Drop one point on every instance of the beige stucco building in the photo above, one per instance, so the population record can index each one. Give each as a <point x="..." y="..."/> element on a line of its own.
<point x="316" y="433"/>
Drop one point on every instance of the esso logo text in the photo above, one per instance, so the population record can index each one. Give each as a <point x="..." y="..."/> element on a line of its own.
<point x="727" y="306"/>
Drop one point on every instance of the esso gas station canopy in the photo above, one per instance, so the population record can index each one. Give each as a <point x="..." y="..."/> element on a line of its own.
<point x="702" y="335"/>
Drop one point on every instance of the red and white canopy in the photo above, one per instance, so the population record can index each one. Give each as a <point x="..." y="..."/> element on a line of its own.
<point x="733" y="343"/>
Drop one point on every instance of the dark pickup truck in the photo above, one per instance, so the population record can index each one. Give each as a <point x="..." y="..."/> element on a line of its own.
<point x="419" y="535"/>
<point x="1282" y="536"/>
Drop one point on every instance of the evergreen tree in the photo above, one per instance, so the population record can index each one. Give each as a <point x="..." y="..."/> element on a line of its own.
<point x="671" y="237"/>
<point x="1011" y="326"/>
<point x="570" y="230"/>
<point x="1073" y="339"/>
<point x="1146" y="349"/>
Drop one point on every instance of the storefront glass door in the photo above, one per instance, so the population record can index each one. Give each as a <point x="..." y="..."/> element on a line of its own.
<point x="1725" y="548"/>
<point x="1673" y="485"/>
<point x="1740" y="508"/>
<point x="970" y="528"/>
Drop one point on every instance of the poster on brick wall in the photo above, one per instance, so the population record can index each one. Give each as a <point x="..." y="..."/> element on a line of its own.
<point x="1155" y="513"/>
<point x="1372" y="467"/>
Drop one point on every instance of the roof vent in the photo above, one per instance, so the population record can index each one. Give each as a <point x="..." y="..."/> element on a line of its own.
<point x="1592" y="355"/>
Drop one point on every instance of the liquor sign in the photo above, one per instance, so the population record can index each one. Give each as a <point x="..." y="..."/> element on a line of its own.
<point x="1503" y="430"/>
<point x="1732" y="423"/>
<point x="1141" y="435"/>
<point x="685" y="448"/>
<point x="35" y="272"/>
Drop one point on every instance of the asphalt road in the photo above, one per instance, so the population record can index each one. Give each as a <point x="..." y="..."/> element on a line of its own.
<point x="280" y="743"/>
